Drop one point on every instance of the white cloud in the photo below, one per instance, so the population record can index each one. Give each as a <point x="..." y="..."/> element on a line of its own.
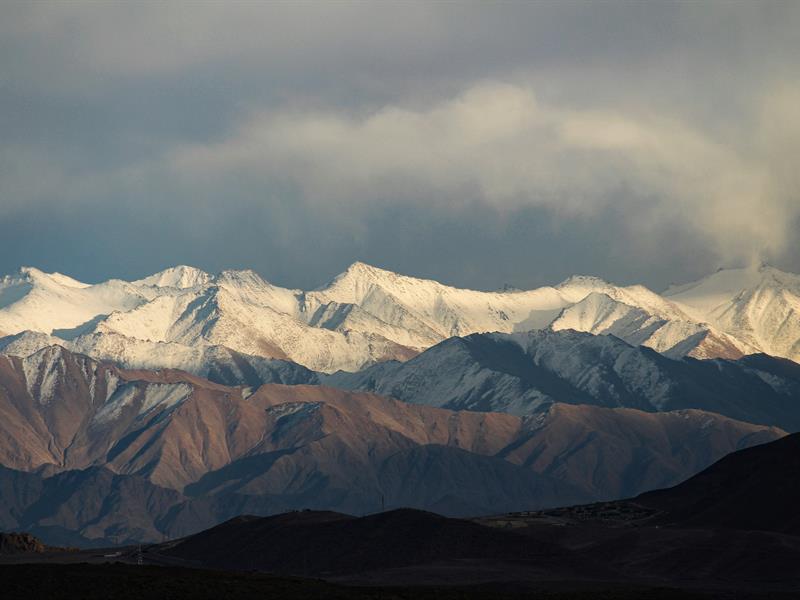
<point x="496" y="143"/>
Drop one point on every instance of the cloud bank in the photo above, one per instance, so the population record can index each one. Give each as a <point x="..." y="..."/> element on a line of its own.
<point x="475" y="143"/>
<point x="496" y="144"/>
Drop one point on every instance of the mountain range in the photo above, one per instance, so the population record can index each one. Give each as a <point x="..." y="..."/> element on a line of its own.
<point x="95" y="452"/>
<point x="368" y="315"/>
<point x="130" y="411"/>
<point x="524" y="372"/>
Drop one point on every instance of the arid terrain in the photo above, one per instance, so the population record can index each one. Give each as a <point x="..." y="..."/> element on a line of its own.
<point x="661" y="543"/>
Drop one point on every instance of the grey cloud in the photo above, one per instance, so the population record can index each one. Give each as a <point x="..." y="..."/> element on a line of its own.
<point x="664" y="138"/>
<point x="498" y="144"/>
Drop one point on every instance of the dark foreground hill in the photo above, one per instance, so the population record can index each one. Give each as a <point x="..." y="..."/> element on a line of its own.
<point x="413" y="547"/>
<point x="733" y="525"/>
<point x="324" y="544"/>
<point x="755" y="489"/>
<point x="132" y="582"/>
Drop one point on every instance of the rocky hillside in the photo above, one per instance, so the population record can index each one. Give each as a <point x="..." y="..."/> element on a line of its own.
<point x="137" y="454"/>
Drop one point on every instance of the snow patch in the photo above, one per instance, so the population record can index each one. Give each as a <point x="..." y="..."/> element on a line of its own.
<point x="112" y="383"/>
<point x="164" y="395"/>
<point x="42" y="373"/>
<point x="148" y="397"/>
<point x="116" y="402"/>
<point x="287" y="409"/>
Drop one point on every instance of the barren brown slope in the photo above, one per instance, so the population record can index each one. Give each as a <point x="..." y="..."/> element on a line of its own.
<point x="46" y="404"/>
<point x="290" y="446"/>
<point x="54" y="407"/>
<point x="606" y="453"/>
<point x="308" y="430"/>
<point x="619" y="452"/>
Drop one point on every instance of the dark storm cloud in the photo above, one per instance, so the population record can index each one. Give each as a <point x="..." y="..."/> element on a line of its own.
<point x="475" y="143"/>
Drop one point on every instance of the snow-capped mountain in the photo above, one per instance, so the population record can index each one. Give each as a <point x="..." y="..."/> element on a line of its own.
<point x="55" y="303"/>
<point x="153" y="321"/>
<point x="759" y="306"/>
<point x="216" y="363"/>
<point x="368" y="315"/>
<point x="524" y="373"/>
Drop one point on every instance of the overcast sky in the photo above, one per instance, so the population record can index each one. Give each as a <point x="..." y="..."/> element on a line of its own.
<point x="475" y="143"/>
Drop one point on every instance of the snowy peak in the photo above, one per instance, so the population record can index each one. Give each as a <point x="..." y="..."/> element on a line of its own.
<point x="714" y="290"/>
<point x="710" y="292"/>
<point x="444" y="309"/>
<point x="578" y="287"/>
<point x="44" y="302"/>
<point x="245" y="278"/>
<point x="250" y="288"/>
<point x="352" y="285"/>
<point x="181" y="277"/>
<point x="758" y="306"/>
<point x="597" y="313"/>
<point x="27" y="278"/>
<point x="34" y="275"/>
<point x="361" y="270"/>
<point x="360" y="277"/>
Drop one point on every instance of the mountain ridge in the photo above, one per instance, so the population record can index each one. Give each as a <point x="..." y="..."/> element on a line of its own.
<point x="367" y="315"/>
<point x="523" y="373"/>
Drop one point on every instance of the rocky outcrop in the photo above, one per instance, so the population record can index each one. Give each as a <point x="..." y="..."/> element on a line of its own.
<point x="20" y="543"/>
